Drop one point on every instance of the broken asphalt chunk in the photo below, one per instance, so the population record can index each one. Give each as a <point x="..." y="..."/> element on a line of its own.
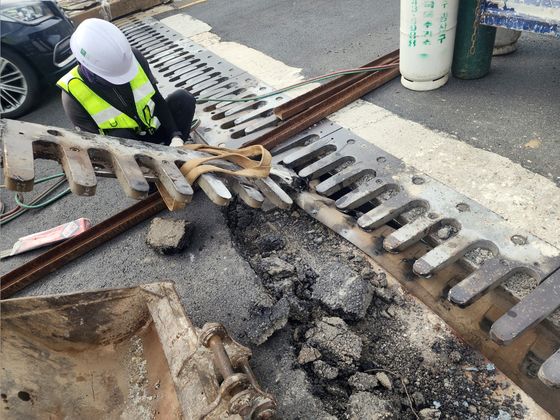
<point x="332" y="337"/>
<point x="168" y="236"/>
<point x="277" y="267"/>
<point x="361" y="381"/>
<point x="352" y="295"/>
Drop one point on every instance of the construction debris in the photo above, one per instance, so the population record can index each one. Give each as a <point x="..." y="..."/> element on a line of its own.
<point x="384" y="380"/>
<point x="266" y="320"/>
<point x="412" y="349"/>
<point x="324" y="370"/>
<point x="81" y="10"/>
<point x="365" y="405"/>
<point x="47" y="237"/>
<point x="429" y="414"/>
<point x="277" y="268"/>
<point x="361" y="381"/>
<point x="332" y="337"/>
<point x="168" y="236"/>
<point x="308" y="354"/>
<point x="345" y="292"/>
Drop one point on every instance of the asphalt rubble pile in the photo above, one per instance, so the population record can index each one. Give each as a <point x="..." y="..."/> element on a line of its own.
<point x="361" y="342"/>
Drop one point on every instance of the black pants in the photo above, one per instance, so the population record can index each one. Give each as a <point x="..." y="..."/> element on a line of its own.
<point x="182" y="105"/>
<point x="179" y="106"/>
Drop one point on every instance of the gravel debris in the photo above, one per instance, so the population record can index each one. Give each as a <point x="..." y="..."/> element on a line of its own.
<point x="455" y="356"/>
<point x="479" y="255"/>
<point x="389" y="338"/>
<point x="429" y="414"/>
<point x="384" y="380"/>
<point x="308" y="354"/>
<point x="446" y="232"/>
<point x="361" y="381"/>
<point x="324" y="370"/>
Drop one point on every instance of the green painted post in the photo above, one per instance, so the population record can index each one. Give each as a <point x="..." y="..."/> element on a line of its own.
<point x="473" y="43"/>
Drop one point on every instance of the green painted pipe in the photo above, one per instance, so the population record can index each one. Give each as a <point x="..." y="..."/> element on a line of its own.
<point x="473" y="42"/>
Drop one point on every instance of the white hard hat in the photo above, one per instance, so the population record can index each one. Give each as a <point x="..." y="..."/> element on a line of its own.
<point x="104" y="50"/>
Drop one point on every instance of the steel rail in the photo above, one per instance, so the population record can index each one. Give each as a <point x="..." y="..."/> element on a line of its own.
<point x="319" y="94"/>
<point x="74" y="248"/>
<point x="323" y="109"/>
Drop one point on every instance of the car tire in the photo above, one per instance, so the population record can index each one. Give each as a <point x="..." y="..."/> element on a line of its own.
<point x="19" y="85"/>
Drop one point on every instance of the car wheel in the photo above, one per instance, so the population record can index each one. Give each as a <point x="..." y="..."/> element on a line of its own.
<point x="19" y="86"/>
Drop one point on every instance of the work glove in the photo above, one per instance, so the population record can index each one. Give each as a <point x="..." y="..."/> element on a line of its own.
<point x="176" y="142"/>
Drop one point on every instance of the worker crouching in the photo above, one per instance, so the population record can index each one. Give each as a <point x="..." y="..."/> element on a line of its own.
<point x="112" y="90"/>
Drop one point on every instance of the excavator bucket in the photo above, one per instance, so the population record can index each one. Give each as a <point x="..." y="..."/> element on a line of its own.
<point x="122" y="354"/>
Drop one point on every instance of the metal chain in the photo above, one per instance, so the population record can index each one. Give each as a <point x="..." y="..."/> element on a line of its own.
<point x="476" y="25"/>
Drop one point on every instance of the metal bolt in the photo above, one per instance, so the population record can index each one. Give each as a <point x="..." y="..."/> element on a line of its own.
<point x="418" y="180"/>
<point x="211" y="337"/>
<point x="381" y="159"/>
<point x="241" y="402"/>
<point x="221" y="358"/>
<point x="463" y="207"/>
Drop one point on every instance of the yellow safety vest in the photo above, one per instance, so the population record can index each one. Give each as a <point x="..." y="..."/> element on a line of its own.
<point x="104" y="114"/>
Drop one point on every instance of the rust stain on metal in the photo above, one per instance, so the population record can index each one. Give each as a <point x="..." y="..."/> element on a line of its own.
<point x="336" y="100"/>
<point x="533" y="338"/>
<point x="133" y="163"/>
<point x="121" y="353"/>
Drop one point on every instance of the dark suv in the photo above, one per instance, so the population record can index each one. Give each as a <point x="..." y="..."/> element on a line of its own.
<point x="35" y="51"/>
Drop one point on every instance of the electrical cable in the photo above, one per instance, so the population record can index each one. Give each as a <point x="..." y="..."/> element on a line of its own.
<point x="300" y="84"/>
<point x="19" y="209"/>
<point x="48" y="178"/>
<point x="34" y="204"/>
<point x="303" y="83"/>
<point x="42" y="204"/>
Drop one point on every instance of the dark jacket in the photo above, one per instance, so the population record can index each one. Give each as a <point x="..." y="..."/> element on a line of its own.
<point x="120" y="97"/>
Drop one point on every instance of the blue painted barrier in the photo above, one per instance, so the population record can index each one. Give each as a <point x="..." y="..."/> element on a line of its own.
<point x="539" y="16"/>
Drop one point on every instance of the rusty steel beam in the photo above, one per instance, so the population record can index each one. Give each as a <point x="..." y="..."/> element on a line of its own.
<point x="323" y="109"/>
<point x="133" y="163"/>
<point x="370" y="188"/>
<point x="326" y="91"/>
<point x="515" y="360"/>
<point x="73" y="248"/>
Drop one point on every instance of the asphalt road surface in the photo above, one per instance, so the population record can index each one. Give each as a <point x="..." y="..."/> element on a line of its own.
<point x="517" y="102"/>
